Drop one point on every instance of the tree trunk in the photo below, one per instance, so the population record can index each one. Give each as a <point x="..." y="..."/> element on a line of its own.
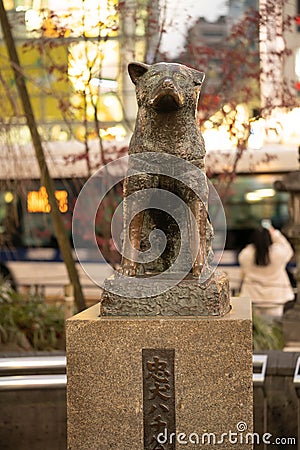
<point x="59" y="228"/>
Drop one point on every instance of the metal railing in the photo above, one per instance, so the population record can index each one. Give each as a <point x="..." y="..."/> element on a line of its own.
<point x="259" y="377"/>
<point x="297" y="387"/>
<point x="10" y="367"/>
<point x="259" y="362"/>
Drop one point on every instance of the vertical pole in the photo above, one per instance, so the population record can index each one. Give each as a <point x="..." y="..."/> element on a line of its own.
<point x="68" y="301"/>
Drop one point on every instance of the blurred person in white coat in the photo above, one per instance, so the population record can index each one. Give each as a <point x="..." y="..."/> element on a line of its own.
<point x="263" y="263"/>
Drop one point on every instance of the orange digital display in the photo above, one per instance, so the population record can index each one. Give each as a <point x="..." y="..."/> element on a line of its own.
<point x="37" y="201"/>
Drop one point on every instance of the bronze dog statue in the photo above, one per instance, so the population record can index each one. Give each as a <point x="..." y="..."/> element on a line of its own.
<point x="167" y="96"/>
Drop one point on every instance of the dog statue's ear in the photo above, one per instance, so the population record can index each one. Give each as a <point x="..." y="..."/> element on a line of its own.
<point x="136" y="70"/>
<point x="198" y="77"/>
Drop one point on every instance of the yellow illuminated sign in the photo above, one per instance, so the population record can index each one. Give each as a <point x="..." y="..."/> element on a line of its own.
<point x="37" y="201"/>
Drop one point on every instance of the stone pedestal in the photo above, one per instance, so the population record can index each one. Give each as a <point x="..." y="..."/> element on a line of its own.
<point x="130" y="376"/>
<point x="186" y="298"/>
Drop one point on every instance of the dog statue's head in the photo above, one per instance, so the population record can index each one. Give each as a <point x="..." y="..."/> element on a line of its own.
<point x="164" y="86"/>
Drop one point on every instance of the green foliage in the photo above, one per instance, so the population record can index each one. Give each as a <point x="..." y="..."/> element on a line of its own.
<point x="267" y="335"/>
<point x="29" y="322"/>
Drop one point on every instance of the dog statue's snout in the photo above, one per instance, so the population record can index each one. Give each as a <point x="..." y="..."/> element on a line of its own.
<point x="167" y="97"/>
<point x="168" y="83"/>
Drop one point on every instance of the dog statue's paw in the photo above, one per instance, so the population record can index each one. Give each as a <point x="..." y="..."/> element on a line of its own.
<point x="128" y="270"/>
<point x="197" y="269"/>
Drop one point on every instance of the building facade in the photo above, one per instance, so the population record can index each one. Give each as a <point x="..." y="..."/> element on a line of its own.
<point x="74" y="56"/>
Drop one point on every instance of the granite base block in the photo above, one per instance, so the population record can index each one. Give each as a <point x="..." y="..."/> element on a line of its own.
<point x="212" y="377"/>
<point x="186" y="298"/>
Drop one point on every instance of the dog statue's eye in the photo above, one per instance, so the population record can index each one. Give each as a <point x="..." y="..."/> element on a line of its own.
<point x="154" y="74"/>
<point x="180" y="76"/>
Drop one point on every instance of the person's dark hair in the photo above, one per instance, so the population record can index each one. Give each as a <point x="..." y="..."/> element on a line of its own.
<point x="261" y="239"/>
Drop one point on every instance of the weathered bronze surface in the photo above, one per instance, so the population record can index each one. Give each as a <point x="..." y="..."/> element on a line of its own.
<point x="158" y="396"/>
<point x="187" y="298"/>
<point x="167" y="97"/>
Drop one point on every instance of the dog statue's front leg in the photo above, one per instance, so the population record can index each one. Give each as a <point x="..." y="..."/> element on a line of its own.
<point x="199" y="211"/>
<point x="131" y="244"/>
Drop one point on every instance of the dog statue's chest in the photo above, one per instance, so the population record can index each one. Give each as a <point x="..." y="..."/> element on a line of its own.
<point x="167" y="136"/>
